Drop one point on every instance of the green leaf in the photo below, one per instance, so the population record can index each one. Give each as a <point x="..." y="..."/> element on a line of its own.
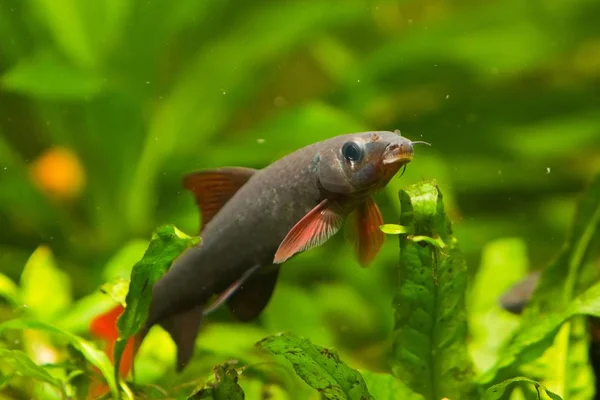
<point x="557" y="284"/>
<point x="387" y="387"/>
<point x="117" y="290"/>
<point x="20" y="364"/>
<point x="393" y="229"/>
<point x="45" y="289"/>
<point x="8" y="289"/>
<point x="504" y="262"/>
<point x="46" y="77"/>
<point x="166" y="245"/>
<point x="549" y="306"/>
<point x="91" y="353"/>
<point x="528" y="344"/>
<point x="429" y="341"/>
<point x="224" y="387"/>
<point x="579" y="379"/>
<point x="319" y="367"/>
<point x="64" y="19"/>
<point x="497" y="392"/>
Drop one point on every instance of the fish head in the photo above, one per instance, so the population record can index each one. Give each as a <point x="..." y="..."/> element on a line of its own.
<point x="363" y="162"/>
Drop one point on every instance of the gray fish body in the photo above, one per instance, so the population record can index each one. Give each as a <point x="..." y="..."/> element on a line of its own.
<point x="249" y="228"/>
<point x="244" y="233"/>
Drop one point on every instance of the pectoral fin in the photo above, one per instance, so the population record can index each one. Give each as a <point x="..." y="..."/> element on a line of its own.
<point x="311" y="231"/>
<point x="365" y="234"/>
<point x="254" y="294"/>
<point x="213" y="188"/>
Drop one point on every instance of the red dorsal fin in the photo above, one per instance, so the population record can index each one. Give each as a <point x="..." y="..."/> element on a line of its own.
<point x="311" y="231"/>
<point x="367" y="238"/>
<point x="213" y="188"/>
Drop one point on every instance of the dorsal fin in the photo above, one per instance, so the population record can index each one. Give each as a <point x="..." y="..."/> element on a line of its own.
<point x="214" y="187"/>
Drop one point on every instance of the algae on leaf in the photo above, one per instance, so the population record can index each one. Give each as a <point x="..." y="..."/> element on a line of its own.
<point x="429" y="340"/>
<point x="224" y="387"/>
<point x="319" y="367"/>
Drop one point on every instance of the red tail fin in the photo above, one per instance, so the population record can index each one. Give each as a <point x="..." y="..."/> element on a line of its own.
<point x="104" y="327"/>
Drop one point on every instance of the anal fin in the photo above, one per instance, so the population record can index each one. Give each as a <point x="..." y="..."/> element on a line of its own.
<point x="183" y="328"/>
<point x="254" y="294"/>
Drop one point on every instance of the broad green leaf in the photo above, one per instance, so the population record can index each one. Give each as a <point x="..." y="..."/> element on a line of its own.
<point x="319" y="367"/>
<point x="504" y="262"/>
<point x="19" y="364"/>
<point x="387" y="387"/>
<point x="64" y="19"/>
<point x="224" y="387"/>
<point x="166" y="244"/>
<point x="579" y="379"/>
<point x="528" y="344"/>
<point x="549" y="306"/>
<point x="429" y="340"/>
<point x="557" y="284"/>
<point x="91" y="353"/>
<point x="45" y="289"/>
<point x="47" y="77"/>
<point x="497" y="392"/>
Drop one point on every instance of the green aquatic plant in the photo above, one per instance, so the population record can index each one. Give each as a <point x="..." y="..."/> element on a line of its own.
<point x="431" y="354"/>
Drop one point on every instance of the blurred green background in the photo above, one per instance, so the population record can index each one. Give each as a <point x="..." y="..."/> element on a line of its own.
<point x="104" y="105"/>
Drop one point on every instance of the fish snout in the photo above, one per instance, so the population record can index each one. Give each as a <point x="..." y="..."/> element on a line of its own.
<point x="398" y="153"/>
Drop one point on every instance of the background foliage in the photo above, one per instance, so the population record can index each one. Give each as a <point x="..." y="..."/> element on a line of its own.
<point x="104" y="105"/>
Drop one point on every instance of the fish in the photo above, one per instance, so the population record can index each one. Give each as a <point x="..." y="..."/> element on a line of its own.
<point x="254" y="220"/>
<point x="516" y="297"/>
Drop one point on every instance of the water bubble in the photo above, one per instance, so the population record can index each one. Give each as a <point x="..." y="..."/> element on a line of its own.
<point x="223" y="91"/>
<point x="548" y="170"/>
<point x="260" y="141"/>
<point x="279" y="101"/>
<point x="447" y="96"/>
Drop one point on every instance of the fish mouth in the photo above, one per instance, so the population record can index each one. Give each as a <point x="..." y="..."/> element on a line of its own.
<point x="399" y="154"/>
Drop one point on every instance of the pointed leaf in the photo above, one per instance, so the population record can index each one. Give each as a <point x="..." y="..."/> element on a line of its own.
<point x="47" y="77"/>
<point x="549" y="307"/>
<point x="429" y="345"/>
<point x="319" y="367"/>
<point x="45" y="289"/>
<point x="92" y="354"/>
<point x="19" y="364"/>
<point x="166" y="245"/>
<point x="528" y="344"/>
<point x="504" y="262"/>
<point x="8" y="290"/>
<point x="497" y="392"/>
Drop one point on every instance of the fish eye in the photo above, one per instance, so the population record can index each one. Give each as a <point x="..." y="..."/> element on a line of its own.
<point x="352" y="151"/>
